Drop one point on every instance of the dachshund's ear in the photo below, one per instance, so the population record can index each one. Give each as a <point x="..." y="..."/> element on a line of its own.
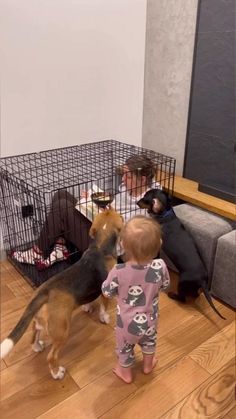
<point x="168" y="198"/>
<point x="157" y="205"/>
<point x="143" y="204"/>
<point x="168" y="201"/>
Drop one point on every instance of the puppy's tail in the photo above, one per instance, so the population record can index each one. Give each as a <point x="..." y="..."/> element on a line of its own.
<point x="23" y="323"/>
<point x="209" y="299"/>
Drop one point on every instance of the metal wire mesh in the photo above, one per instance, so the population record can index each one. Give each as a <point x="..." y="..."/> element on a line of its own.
<point x="30" y="181"/>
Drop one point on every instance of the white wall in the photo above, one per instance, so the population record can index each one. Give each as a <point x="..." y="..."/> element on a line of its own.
<point x="72" y="72"/>
<point x="171" y="26"/>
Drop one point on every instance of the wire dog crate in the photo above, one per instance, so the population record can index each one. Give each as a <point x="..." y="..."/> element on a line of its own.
<point x="30" y="183"/>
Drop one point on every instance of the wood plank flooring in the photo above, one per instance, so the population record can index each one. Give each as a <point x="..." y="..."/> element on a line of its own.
<point x="194" y="378"/>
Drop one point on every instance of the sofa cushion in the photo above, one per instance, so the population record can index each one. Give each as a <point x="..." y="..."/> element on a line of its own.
<point x="205" y="229"/>
<point x="223" y="283"/>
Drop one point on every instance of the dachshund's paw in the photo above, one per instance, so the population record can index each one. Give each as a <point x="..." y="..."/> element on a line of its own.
<point x="59" y="375"/>
<point x="176" y="297"/>
<point x="104" y="317"/>
<point x="38" y="346"/>
<point x="88" y="308"/>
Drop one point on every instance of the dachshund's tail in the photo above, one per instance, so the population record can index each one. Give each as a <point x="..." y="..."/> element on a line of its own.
<point x="209" y="299"/>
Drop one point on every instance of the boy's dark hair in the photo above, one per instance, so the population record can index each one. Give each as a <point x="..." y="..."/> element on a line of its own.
<point x="141" y="165"/>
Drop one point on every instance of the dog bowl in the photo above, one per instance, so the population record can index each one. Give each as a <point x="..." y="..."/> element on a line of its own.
<point x="102" y="199"/>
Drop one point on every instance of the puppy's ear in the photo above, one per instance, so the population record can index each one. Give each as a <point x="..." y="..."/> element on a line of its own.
<point x="92" y="232"/>
<point x="143" y="204"/>
<point x="120" y="225"/>
<point x="122" y="219"/>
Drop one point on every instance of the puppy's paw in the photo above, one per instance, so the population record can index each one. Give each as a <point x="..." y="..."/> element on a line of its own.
<point x="88" y="308"/>
<point x="104" y="317"/>
<point x="59" y="375"/>
<point x="38" y="346"/>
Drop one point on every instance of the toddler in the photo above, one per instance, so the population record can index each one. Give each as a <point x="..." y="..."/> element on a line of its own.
<point x="136" y="285"/>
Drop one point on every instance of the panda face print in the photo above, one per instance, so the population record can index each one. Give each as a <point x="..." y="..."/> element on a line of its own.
<point x="136" y="296"/>
<point x="140" y="318"/>
<point x="138" y="325"/>
<point x="156" y="264"/>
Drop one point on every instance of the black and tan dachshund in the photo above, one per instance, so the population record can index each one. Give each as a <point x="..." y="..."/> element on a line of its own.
<point x="179" y="246"/>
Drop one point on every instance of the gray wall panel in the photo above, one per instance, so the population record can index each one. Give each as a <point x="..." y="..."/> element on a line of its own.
<point x="210" y="156"/>
<point x="212" y="169"/>
<point x="212" y="110"/>
<point x="217" y="15"/>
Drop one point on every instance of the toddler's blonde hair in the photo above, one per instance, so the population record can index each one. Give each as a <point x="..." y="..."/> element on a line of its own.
<point x="141" y="239"/>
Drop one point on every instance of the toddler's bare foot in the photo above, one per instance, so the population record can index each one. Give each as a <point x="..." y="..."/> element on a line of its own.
<point x="124" y="374"/>
<point x="149" y="362"/>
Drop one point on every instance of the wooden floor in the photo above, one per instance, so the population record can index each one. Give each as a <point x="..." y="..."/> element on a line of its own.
<point x="195" y="376"/>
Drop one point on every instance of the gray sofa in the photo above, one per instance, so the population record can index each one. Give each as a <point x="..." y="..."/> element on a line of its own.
<point x="215" y="238"/>
<point x="224" y="274"/>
